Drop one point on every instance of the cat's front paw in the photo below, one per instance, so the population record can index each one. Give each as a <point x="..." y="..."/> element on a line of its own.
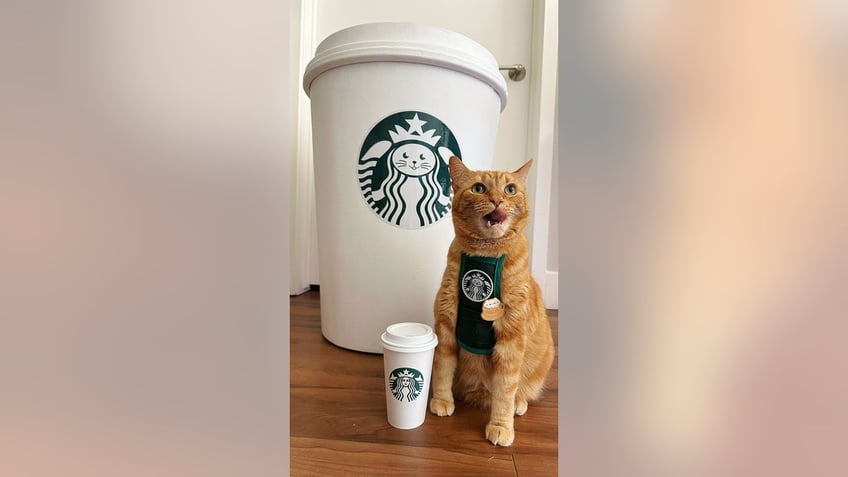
<point x="500" y="435"/>
<point x="440" y="407"/>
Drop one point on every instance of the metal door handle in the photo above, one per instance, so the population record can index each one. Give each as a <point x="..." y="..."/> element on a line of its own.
<point x="516" y="71"/>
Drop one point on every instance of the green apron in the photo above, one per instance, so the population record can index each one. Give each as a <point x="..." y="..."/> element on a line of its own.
<point x="479" y="280"/>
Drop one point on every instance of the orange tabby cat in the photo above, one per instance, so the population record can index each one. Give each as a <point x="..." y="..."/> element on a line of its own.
<point x="500" y="362"/>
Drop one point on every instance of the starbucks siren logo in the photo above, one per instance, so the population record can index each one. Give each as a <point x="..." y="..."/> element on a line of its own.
<point x="406" y="384"/>
<point x="403" y="169"/>
<point x="477" y="285"/>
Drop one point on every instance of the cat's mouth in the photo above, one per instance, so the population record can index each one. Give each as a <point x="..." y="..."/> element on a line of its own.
<point x="495" y="217"/>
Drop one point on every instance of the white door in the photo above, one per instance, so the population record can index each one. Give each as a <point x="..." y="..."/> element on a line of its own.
<point x="516" y="32"/>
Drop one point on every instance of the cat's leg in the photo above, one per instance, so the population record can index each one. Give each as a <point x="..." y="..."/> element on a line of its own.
<point x="520" y="405"/>
<point x="506" y="360"/>
<point x="536" y="365"/>
<point x="444" y="368"/>
<point x="531" y="388"/>
<point x="445" y="358"/>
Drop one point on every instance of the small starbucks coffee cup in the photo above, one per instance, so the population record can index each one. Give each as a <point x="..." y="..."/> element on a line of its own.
<point x="408" y="362"/>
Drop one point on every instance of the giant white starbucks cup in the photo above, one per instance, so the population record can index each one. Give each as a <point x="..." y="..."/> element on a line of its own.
<point x="391" y="102"/>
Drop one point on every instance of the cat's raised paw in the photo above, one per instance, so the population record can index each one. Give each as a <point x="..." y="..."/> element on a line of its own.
<point x="440" y="407"/>
<point x="500" y="435"/>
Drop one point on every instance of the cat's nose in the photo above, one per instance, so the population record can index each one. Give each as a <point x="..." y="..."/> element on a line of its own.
<point x="497" y="202"/>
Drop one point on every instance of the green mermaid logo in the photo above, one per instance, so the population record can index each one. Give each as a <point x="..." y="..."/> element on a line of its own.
<point x="403" y="169"/>
<point x="406" y="384"/>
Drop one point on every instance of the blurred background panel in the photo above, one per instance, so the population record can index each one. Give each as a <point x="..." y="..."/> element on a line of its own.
<point x="703" y="222"/>
<point x="143" y="244"/>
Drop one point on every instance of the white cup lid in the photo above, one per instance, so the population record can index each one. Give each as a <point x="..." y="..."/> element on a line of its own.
<point x="407" y="43"/>
<point x="409" y="337"/>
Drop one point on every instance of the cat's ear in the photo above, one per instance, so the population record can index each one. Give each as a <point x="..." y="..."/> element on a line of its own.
<point x="458" y="172"/>
<point x="523" y="171"/>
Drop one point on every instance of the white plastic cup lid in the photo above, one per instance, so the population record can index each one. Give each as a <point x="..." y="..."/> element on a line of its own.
<point x="407" y="43"/>
<point x="409" y="337"/>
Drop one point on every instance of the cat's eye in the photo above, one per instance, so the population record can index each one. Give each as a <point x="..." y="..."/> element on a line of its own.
<point x="478" y="188"/>
<point x="405" y="155"/>
<point x="510" y="189"/>
<point x="421" y="156"/>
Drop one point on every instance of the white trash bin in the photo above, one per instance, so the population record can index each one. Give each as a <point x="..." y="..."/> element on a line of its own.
<point x="391" y="102"/>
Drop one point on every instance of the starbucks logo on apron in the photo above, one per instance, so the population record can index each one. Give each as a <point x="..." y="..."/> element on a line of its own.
<point x="406" y="384"/>
<point x="477" y="285"/>
<point x="403" y="169"/>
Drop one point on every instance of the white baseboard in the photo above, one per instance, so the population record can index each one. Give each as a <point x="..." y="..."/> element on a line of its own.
<point x="550" y="290"/>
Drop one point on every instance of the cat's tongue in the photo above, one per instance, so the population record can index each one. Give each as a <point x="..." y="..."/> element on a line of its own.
<point x="496" y="216"/>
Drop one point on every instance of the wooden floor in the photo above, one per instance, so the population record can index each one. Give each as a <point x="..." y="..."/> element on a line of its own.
<point x="339" y="427"/>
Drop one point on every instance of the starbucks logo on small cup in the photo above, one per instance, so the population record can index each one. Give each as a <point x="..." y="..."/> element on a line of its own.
<point x="403" y="169"/>
<point x="406" y="384"/>
<point x="477" y="285"/>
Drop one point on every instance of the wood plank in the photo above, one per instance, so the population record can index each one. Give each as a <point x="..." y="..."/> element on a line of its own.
<point x="361" y="416"/>
<point x="527" y="464"/>
<point x="322" y="457"/>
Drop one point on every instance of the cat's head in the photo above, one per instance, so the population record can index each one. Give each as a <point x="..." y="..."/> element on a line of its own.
<point x="489" y="205"/>
<point x="413" y="159"/>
